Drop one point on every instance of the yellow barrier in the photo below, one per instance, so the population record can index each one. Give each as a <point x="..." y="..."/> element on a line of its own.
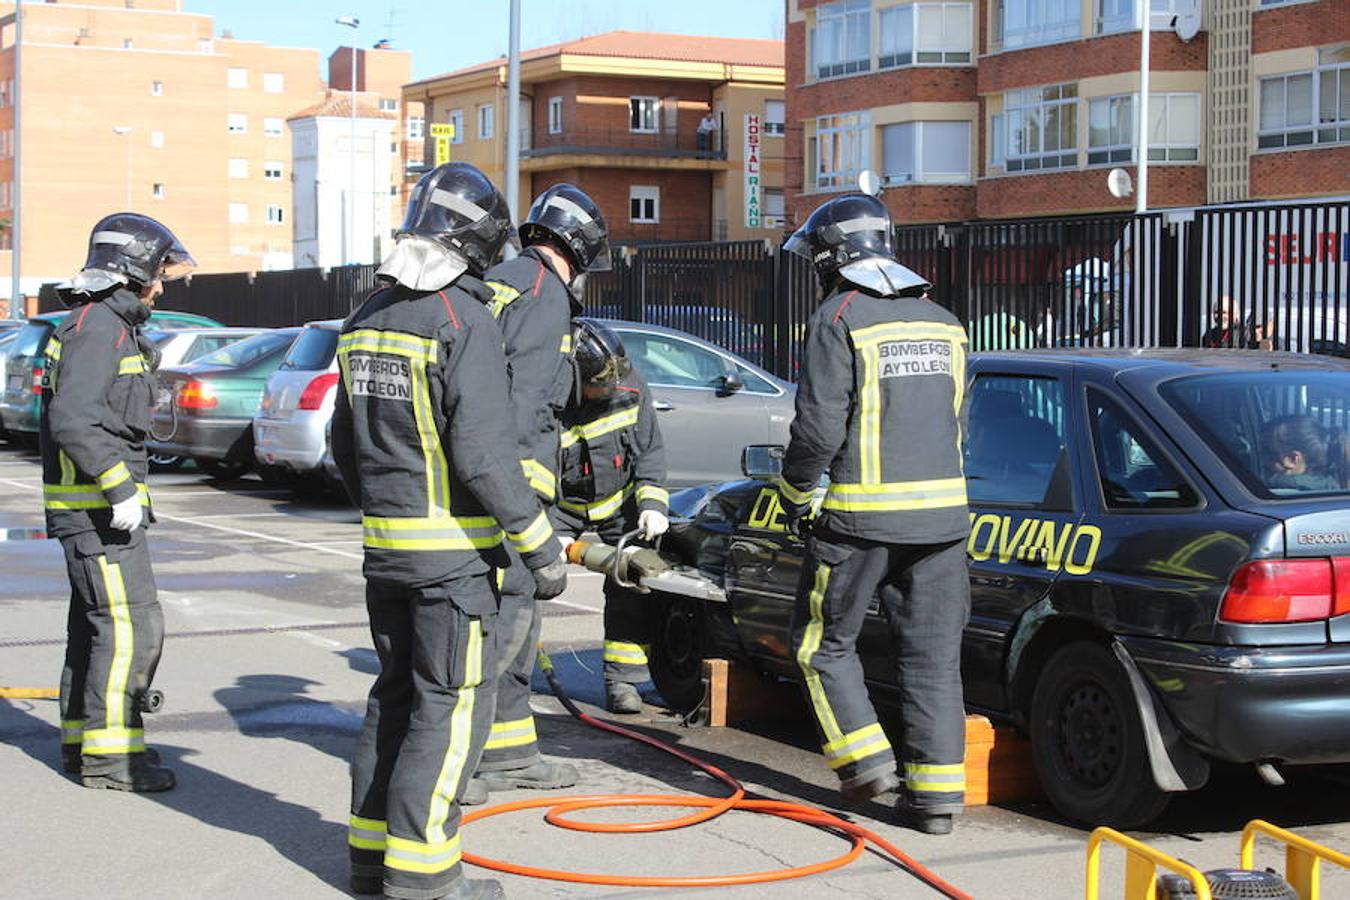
<point x="19" y="693"/>
<point x="1141" y="868"/>
<point x="1302" y="857"/>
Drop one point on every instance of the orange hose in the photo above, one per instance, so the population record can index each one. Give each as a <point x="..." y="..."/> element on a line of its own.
<point x="710" y="807"/>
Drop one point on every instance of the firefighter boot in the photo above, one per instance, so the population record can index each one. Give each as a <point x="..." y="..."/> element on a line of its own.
<point x="920" y="820"/>
<point x="138" y="777"/>
<point x="475" y="792"/>
<point x="70" y="758"/>
<point x="542" y="776"/>
<point x="622" y="697"/>
<point x="862" y="791"/>
<point x="476" y="889"/>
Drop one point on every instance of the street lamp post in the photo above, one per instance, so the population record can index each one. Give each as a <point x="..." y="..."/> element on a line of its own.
<point x="125" y="131"/>
<point x="1144" y="9"/>
<point x="353" y="23"/>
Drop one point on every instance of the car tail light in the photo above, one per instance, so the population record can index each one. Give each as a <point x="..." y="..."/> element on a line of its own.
<point x="314" y="393"/>
<point x="1282" y="590"/>
<point x="196" y="395"/>
<point x="37" y="378"/>
<point x="1341" y="575"/>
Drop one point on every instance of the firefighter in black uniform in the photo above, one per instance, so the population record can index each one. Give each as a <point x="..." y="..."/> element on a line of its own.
<point x="534" y="298"/>
<point x="96" y="396"/>
<point x="613" y="464"/>
<point x="421" y="438"/>
<point x="879" y="409"/>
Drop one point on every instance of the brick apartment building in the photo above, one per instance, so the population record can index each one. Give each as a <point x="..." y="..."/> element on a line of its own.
<point x="618" y="114"/>
<point x="1004" y="108"/>
<point x="142" y="105"/>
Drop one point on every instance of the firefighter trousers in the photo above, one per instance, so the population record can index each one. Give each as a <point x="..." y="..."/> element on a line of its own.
<point x="513" y="743"/>
<point x="627" y="627"/>
<point x="114" y="636"/>
<point x="427" y="719"/>
<point x="924" y="592"/>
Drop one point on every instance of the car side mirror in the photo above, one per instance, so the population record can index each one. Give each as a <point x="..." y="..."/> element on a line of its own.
<point x="762" y="461"/>
<point x="731" y="383"/>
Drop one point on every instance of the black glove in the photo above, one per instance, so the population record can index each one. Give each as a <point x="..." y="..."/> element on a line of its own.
<point x="796" y="520"/>
<point x="550" y="580"/>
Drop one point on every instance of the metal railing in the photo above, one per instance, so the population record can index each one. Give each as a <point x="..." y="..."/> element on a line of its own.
<point x="683" y="143"/>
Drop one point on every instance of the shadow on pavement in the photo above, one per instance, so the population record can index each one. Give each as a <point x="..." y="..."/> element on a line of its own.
<point x="275" y="706"/>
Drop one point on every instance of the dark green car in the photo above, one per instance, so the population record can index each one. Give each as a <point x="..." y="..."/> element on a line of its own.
<point x="204" y="410"/>
<point x="19" y="404"/>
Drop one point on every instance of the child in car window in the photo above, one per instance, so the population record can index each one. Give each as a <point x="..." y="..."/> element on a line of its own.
<point x="1301" y="455"/>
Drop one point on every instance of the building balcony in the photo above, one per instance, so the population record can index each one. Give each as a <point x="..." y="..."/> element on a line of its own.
<point x="601" y="141"/>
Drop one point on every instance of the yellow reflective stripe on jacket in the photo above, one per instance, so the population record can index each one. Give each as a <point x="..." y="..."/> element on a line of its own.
<point x="598" y="510"/>
<point x="539" y="477"/>
<point x="566" y="344"/>
<point x="625" y="653"/>
<point x="896" y="495"/>
<point x="589" y="431"/>
<point x="113" y="741"/>
<point x="791" y="494"/>
<point x="114" y="476"/>
<point x="430" y="532"/>
<point x="856" y="745"/>
<point x="503" y="295"/>
<point x="367" y="834"/>
<point x="53" y="351"/>
<point x="899" y="331"/>
<point x="433" y="453"/>
<point x="423" y="859"/>
<point x="936" y="778"/>
<point x="535" y="535"/>
<point x="439" y="853"/>
<point x="394" y="343"/>
<point x="131" y="365"/>
<point x="516" y="733"/>
<point x="653" y="493"/>
<point x="815" y="631"/>
<point x="82" y="496"/>
<point x="67" y="467"/>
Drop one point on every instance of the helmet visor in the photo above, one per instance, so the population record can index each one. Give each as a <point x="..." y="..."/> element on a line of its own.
<point x="177" y="264"/>
<point x="799" y="243"/>
<point x="602" y="262"/>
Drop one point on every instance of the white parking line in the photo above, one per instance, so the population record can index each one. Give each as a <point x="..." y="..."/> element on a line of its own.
<point x="266" y="515"/>
<point x="304" y="545"/>
<point x="570" y="605"/>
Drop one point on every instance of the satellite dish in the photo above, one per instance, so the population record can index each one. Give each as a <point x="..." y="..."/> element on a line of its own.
<point x="1186" y="25"/>
<point x="869" y="182"/>
<point x="1119" y="184"/>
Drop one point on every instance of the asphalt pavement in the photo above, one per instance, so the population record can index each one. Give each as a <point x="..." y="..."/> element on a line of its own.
<point x="265" y="670"/>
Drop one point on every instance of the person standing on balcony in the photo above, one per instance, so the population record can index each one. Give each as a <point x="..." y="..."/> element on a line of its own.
<point x="707" y="127"/>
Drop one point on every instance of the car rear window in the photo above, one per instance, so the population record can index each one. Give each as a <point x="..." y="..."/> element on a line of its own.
<point x="1284" y="433"/>
<point x="30" y="338"/>
<point x="313" y="350"/>
<point x="248" y="351"/>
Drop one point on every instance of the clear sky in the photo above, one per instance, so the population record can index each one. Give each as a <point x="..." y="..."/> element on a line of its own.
<point x="449" y="34"/>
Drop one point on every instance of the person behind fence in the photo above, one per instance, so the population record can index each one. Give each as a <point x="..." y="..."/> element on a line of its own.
<point x="878" y="408"/>
<point x="429" y="455"/>
<point x="1303" y="456"/>
<point x="97" y="388"/>
<point x="1226" y="332"/>
<point x="534" y="297"/>
<point x="613" y="463"/>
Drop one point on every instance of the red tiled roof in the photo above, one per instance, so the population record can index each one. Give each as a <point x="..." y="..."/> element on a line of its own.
<point x="339" y="105"/>
<point x="650" y="45"/>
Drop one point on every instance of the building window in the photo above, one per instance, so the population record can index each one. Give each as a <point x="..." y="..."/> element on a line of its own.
<point x="775" y="117"/>
<point x="775" y="208"/>
<point x="644" y="203"/>
<point x="456" y="120"/>
<point x="157" y="140"/>
<point x="273" y="127"/>
<point x="644" y="114"/>
<point x="238" y="168"/>
<point x="417" y="128"/>
<point x="842" y="144"/>
<point x="388" y="105"/>
<point x="238" y="213"/>
<point x="272" y="171"/>
<point x="485" y="121"/>
<point x="156" y="89"/>
<point x="157" y="190"/>
<point x="929" y="152"/>
<point x="1111" y="130"/>
<point x="1304" y="108"/>
<point x="275" y="214"/>
<point x="238" y="123"/>
<point x="842" y="41"/>
<point x="925" y="34"/>
<point x="1173" y="133"/>
<point x="555" y="115"/>
<point x="1122" y="15"/>
<point x="236" y="78"/>
<point x="128" y="44"/>
<point x="998" y="140"/>
<point x="1042" y="126"/>
<point x="274" y="83"/>
<point x="1026" y="23"/>
<point x="206" y="45"/>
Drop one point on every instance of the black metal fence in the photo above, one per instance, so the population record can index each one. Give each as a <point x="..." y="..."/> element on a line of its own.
<point x="1272" y="275"/>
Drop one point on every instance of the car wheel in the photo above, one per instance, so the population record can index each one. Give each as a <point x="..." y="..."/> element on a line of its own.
<point x="307" y="487"/>
<point x="1088" y="741"/>
<point x="160" y="462"/>
<point x="223" y="469"/>
<point x="678" y="647"/>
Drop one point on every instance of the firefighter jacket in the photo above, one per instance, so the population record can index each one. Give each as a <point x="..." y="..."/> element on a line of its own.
<point x="611" y="451"/>
<point x="97" y="389"/>
<point x="534" y="309"/>
<point x="418" y="434"/>
<point x="879" y="404"/>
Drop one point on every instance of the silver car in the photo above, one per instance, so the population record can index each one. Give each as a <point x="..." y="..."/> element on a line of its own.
<point x="184" y="345"/>
<point x="710" y="402"/>
<point x="288" y="430"/>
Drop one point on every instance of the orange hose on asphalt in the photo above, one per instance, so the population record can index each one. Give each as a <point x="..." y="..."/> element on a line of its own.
<point x="710" y="807"/>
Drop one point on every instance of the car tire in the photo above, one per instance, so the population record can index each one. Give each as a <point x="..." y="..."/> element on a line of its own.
<point x="223" y="469"/>
<point x="678" y="647"/>
<point x="1088" y="740"/>
<point x="307" y="487"/>
<point x="160" y="462"/>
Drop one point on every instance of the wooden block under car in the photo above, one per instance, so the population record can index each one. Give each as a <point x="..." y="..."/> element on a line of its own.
<point x="999" y="765"/>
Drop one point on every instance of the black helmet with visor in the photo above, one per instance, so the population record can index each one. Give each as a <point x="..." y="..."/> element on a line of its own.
<point x="849" y="237"/>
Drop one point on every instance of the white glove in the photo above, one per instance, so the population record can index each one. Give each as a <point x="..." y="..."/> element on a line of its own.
<point x="126" y="514"/>
<point x="652" y="524"/>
